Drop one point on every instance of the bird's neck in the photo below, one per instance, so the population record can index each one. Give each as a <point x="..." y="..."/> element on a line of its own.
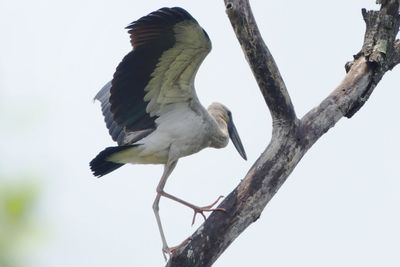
<point x="219" y="136"/>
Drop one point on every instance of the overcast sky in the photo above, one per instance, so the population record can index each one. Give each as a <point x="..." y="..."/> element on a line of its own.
<point x="340" y="207"/>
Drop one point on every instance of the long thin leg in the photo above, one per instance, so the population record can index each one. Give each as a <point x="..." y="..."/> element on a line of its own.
<point x="168" y="168"/>
<point x="158" y="219"/>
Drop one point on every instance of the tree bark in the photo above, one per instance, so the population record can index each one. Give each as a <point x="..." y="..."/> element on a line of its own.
<point x="292" y="137"/>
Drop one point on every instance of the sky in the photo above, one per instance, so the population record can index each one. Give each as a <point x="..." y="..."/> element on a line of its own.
<point x="340" y="206"/>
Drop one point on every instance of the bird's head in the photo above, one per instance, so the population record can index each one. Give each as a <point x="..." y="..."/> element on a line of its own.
<point x="223" y="116"/>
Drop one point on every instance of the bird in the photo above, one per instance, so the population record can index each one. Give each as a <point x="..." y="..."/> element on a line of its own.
<point x="151" y="108"/>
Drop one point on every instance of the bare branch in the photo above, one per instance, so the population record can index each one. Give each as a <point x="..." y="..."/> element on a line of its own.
<point x="262" y="63"/>
<point x="396" y="57"/>
<point x="350" y="91"/>
<point x="243" y="206"/>
<point x="289" y="143"/>
<point x="389" y="7"/>
<point x="379" y="46"/>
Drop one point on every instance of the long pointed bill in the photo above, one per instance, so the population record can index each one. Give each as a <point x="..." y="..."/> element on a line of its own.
<point x="233" y="134"/>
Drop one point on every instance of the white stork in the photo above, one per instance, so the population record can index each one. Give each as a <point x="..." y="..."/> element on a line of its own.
<point x="151" y="108"/>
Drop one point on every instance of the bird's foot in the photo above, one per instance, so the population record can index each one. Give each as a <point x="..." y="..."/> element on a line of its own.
<point x="201" y="210"/>
<point x="169" y="251"/>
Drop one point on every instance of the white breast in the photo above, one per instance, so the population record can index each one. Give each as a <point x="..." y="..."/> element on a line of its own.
<point x="178" y="127"/>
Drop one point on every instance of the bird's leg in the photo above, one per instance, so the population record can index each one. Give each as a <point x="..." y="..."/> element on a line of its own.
<point x="168" y="168"/>
<point x="158" y="219"/>
<point x="196" y="209"/>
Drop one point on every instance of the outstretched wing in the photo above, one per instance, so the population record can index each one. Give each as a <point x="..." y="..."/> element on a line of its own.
<point x="168" y="48"/>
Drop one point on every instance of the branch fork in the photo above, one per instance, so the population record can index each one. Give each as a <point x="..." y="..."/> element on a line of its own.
<point x="292" y="137"/>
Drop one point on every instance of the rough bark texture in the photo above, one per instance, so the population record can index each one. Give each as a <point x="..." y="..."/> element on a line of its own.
<point x="292" y="137"/>
<point x="264" y="67"/>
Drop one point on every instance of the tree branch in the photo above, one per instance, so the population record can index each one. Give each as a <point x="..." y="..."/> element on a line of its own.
<point x="291" y="137"/>
<point x="396" y="56"/>
<point x="350" y="91"/>
<point x="261" y="62"/>
<point x="379" y="46"/>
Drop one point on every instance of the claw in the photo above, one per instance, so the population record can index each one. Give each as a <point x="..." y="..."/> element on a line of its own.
<point x="168" y="252"/>
<point x="165" y="251"/>
<point x="171" y="250"/>
<point x="201" y="210"/>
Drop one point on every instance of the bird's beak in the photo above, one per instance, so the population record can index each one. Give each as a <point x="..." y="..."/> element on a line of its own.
<point x="233" y="134"/>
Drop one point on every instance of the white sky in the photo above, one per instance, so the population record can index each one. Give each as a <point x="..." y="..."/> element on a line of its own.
<point x="340" y="207"/>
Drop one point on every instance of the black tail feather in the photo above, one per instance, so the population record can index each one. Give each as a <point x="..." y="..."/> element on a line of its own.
<point x="101" y="166"/>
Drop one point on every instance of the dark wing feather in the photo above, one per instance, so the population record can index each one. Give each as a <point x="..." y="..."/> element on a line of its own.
<point x="127" y="92"/>
<point x="116" y="131"/>
<point x="123" y="104"/>
<point x="157" y="26"/>
<point x="151" y="36"/>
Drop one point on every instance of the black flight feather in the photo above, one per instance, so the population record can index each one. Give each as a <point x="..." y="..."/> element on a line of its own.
<point x="151" y="36"/>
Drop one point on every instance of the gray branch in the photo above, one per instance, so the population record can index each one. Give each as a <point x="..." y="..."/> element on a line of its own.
<point x="291" y="137"/>
<point x="396" y="57"/>
<point x="262" y="63"/>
